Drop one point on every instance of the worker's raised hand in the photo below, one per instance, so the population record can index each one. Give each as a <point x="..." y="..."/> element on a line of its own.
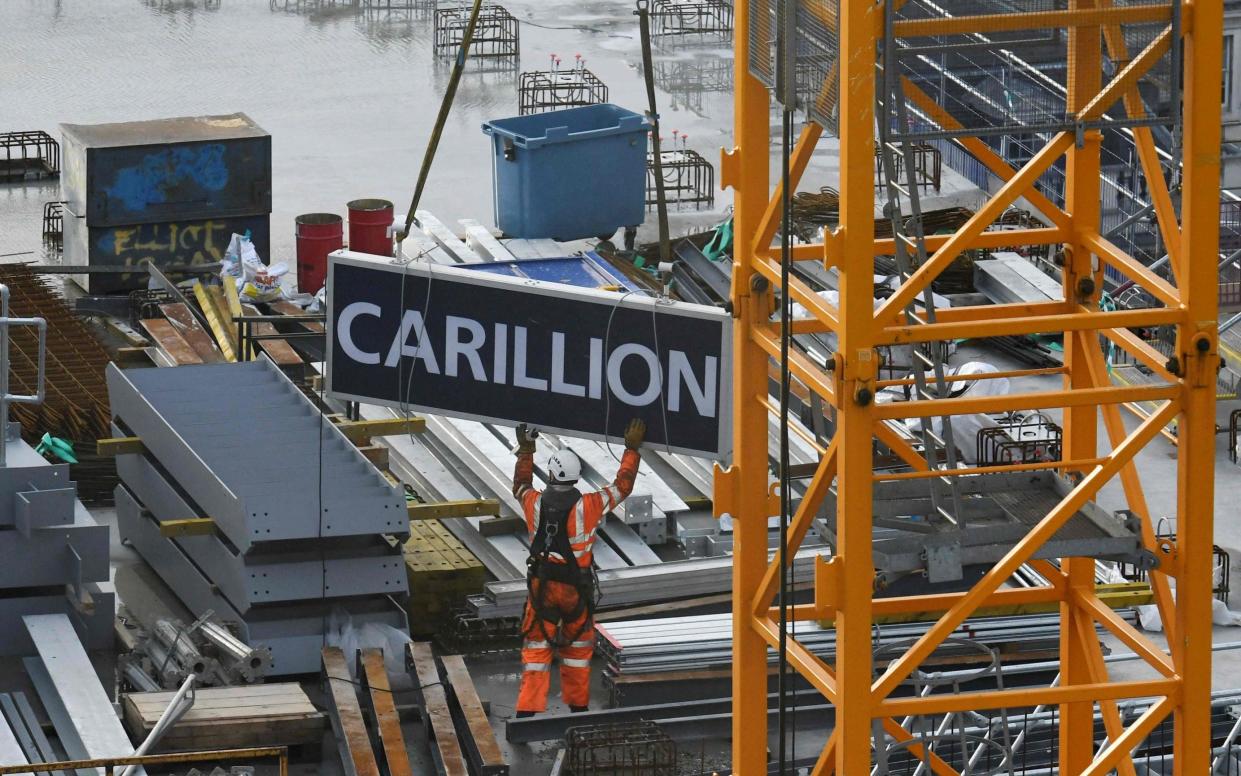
<point x="635" y="432"/>
<point x="525" y="439"/>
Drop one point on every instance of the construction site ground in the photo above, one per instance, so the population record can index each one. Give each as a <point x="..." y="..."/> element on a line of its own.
<point x="497" y="674"/>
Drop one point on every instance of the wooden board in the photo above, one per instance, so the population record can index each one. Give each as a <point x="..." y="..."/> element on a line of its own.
<point x="171" y="341"/>
<point x="355" y="743"/>
<point x="480" y="739"/>
<point x="277" y="714"/>
<point x="383" y="712"/>
<point x="221" y="327"/>
<point x="192" y="331"/>
<point x="436" y="716"/>
<point x="288" y="308"/>
<point x="279" y="351"/>
<point x="232" y="300"/>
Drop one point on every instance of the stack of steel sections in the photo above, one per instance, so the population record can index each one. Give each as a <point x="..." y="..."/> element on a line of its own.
<point x="642" y="584"/>
<point x="705" y="641"/>
<point x="303" y="522"/>
<point x="53" y="556"/>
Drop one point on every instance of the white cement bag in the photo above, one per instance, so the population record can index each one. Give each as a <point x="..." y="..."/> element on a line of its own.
<point x="965" y="428"/>
<point x="344" y="634"/>
<point x="1148" y="616"/>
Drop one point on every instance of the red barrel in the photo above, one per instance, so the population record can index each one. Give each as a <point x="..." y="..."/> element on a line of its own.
<point x="369" y="220"/>
<point x="318" y="234"/>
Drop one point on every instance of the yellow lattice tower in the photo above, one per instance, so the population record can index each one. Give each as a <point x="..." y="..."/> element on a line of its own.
<point x="1184" y="390"/>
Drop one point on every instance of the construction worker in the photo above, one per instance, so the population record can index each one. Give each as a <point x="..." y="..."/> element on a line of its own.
<point x="560" y="579"/>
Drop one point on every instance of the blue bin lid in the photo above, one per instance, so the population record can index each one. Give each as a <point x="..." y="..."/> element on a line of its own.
<point x="570" y="124"/>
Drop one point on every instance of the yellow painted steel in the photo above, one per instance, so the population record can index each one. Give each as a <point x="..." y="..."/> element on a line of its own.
<point x="112" y="447"/>
<point x="1183" y="393"/>
<point x="357" y="430"/>
<point x="474" y="507"/>
<point x="190" y="526"/>
<point x="216" y="312"/>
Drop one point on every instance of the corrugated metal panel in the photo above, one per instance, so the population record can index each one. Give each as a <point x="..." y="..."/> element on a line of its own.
<point x="170" y="169"/>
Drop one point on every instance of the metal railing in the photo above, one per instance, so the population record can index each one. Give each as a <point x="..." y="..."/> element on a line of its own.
<point x="7" y="398"/>
<point x="28" y="155"/>
<point x="248" y="339"/>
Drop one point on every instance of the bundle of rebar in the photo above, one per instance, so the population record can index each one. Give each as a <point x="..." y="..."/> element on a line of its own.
<point x="623" y="749"/>
<point x="815" y="209"/>
<point x="76" y="407"/>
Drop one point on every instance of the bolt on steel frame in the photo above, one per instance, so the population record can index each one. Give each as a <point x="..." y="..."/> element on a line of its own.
<point x="1185" y="391"/>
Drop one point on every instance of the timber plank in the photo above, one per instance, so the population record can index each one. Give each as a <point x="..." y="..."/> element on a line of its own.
<point x="199" y="338"/>
<point x="288" y="308"/>
<point x="230" y="717"/>
<point x="295" y="701"/>
<point x="216" y="314"/>
<point x="197" y="715"/>
<point x="484" y="750"/>
<point x="437" y="717"/>
<point x="241" y="694"/>
<point x="171" y="341"/>
<point x="387" y="720"/>
<point x="280" y="351"/>
<point x="351" y="734"/>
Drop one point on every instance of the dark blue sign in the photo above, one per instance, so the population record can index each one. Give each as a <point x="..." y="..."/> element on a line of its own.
<point x="579" y="361"/>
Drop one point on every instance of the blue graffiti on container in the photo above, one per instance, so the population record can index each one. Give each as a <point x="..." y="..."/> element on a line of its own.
<point x="147" y="183"/>
<point x="107" y="243"/>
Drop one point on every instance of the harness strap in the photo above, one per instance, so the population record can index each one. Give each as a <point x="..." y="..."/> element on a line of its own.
<point x="552" y="539"/>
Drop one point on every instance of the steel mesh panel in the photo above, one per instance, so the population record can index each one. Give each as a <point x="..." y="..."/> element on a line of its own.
<point x="710" y="18"/>
<point x="761" y="45"/>
<point x="1016" y="81"/>
<point x="818" y="51"/>
<point x="622" y="749"/>
<point x="817" y="79"/>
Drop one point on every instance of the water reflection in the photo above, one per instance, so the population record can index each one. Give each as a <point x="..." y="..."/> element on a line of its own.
<point x="689" y="79"/>
<point x="348" y="89"/>
<point x="181" y="6"/>
<point x="311" y="6"/>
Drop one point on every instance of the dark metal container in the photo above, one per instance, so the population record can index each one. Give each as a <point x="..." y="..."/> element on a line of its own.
<point x="187" y="241"/>
<point x="145" y="172"/>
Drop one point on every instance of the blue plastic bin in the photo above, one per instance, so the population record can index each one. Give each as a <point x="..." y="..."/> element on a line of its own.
<point x="569" y="174"/>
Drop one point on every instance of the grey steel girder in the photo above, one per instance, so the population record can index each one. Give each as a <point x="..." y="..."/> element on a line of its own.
<point x="247" y="447"/>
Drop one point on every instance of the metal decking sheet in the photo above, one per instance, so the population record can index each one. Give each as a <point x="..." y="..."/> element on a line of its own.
<point x="294" y="632"/>
<point x="248" y="448"/>
<point x="66" y="681"/>
<point x="346" y="567"/>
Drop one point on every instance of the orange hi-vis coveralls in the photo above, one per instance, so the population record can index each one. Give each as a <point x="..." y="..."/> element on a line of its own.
<point x="559" y="609"/>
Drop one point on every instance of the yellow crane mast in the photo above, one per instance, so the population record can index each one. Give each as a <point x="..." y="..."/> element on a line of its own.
<point x="1184" y="391"/>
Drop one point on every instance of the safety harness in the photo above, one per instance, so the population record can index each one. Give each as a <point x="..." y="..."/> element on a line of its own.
<point x="552" y="536"/>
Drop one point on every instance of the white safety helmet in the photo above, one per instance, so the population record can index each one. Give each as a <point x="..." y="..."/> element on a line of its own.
<point x="564" y="466"/>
